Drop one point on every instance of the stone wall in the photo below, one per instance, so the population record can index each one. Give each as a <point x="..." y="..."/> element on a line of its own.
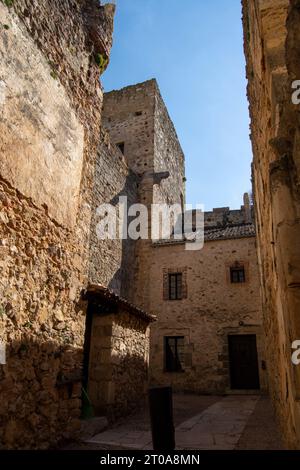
<point x="119" y="363"/>
<point x="40" y="275"/>
<point x="62" y="34"/>
<point x="128" y="115"/>
<point x="40" y="139"/>
<point x="50" y="120"/>
<point x="271" y="40"/>
<point x="168" y="156"/>
<point x="210" y="309"/>
<point x="224" y="216"/>
<point x="112" y="261"/>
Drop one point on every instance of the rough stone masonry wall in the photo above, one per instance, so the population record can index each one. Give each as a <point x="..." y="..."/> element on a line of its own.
<point x="168" y="156"/>
<point x="272" y="44"/>
<point x="40" y="273"/>
<point x="223" y="216"/>
<point x="48" y="47"/>
<point x="212" y="309"/>
<point x="119" y="363"/>
<point x="112" y="261"/>
<point x="128" y="115"/>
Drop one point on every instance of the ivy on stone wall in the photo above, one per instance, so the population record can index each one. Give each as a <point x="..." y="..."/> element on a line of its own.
<point x="101" y="61"/>
<point x="8" y="3"/>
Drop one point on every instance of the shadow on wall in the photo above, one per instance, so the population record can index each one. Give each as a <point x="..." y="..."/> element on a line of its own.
<point x="124" y="277"/>
<point x="112" y="261"/>
<point x="127" y="394"/>
<point x="118" y="352"/>
<point x="40" y="389"/>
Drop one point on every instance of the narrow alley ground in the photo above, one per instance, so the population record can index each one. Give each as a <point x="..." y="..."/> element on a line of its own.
<point x="202" y="422"/>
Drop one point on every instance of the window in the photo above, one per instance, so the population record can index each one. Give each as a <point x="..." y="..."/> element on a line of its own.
<point x="138" y="113"/>
<point x="174" y="353"/>
<point x="175" y="283"/>
<point x="121" y="146"/>
<point x="237" y="275"/>
<point x="175" y="286"/>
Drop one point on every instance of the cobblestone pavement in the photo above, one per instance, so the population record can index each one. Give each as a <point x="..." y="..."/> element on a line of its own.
<point x="202" y="422"/>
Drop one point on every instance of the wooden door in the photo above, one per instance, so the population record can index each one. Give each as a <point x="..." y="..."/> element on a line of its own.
<point x="244" y="374"/>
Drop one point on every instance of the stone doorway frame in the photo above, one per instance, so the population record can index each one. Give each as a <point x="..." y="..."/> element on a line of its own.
<point x="224" y="370"/>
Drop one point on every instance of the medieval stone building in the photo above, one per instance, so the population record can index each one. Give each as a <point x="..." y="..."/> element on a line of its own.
<point x="207" y="320"/>
<point x="75" y="309"/>
<point x="139" y="125"/>
<point x="73" y="306"/>
<point x="56" y="167"/>
<point x="209" y="336"/>
<point x="272" y="48"/>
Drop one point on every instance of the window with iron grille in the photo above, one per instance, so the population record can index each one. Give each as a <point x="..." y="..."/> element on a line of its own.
<point x="237" y="275"/>
<point x="175" y="286"/>
<point x="174" y="353"/>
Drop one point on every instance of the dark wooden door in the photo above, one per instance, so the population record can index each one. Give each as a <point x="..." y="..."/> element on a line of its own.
<point x="244" y="374"/>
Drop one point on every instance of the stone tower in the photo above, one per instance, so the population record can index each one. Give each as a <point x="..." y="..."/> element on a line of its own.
<point x="139" y="124"/>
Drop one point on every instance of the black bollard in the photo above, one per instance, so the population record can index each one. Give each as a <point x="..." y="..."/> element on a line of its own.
<point x="161" y="415"/>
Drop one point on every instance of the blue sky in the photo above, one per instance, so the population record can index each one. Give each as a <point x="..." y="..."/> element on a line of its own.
<point x="194" y="49"/>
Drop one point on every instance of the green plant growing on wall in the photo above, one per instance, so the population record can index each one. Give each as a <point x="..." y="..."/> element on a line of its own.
<point x="87" y="408"/>
<point x="8" y="3"/>
<point x="53" y="74"/>
<point x="2" y="311"/>
<point x="248" y="28"/>
<point x="5" y="26"/>
<point x="101" y="61"/>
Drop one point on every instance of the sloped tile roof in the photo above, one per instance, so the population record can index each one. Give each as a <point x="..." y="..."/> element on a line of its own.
<point x="104" y="294"/>
<point x="231" y="231"/>
<point x="217" y="233"/>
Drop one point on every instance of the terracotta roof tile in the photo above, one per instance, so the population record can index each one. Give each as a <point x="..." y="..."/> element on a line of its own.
<point x="231" y="231"/>
<point x="217" y="233"/>
<point x="107" y="295"/>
